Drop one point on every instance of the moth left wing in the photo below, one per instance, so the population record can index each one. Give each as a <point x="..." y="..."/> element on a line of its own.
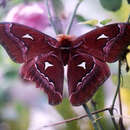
<point x="47" y="71"/>
<point x="85" y="75"/>
<point x="106" y="43"/>
<point x="23" y="43"/>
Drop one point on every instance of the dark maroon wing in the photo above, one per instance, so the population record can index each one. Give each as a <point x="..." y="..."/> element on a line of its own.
<point x="85" y="75"/>
<point x="35" y="50"/>
<point x="47" y="71"/>
<point x="22" y="42"/>
<point x="106" y="43"/>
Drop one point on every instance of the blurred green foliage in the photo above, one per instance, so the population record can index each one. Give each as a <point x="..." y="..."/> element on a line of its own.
<point x="67" y="112"/>
<point x="80" y="18"/>
<point x="111" y="5"/>
<point x="92" y="22"/>
<point x="21" y="121"/>
<point x="99" y="100"/>
<point x="105" y="21"/>
<point x="125" y="80"/>
<point x="123" y="13"/>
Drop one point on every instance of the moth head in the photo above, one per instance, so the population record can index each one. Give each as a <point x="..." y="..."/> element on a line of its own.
<point x="65" y="41"/>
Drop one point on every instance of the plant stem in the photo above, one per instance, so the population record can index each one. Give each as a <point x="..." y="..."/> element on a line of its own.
<point x="50" y="17"/>
<point x="72" y="18"/>
<point x="93" y="103"/>
<point x="118" y="85"/>
<point x="90" y="116"/>
<point x="128" y="19"/>
<point x="120" y="105"/>
<point x="117" y="90"/>
<point x="76" y="118"/>
<point x="113" y="119"/>
<point x="121" y="124"/>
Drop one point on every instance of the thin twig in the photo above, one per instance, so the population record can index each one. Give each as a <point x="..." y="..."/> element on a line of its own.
<point x="120" y="104"/>
<point x="72" y="18"/>
<point x="96" y="115"/>
<point x="113" y="119"/>
<point x="128" y="19"/>
<point x="117" y="90"/>
<point x="77" y="118"/>
<point x="121" y="124"/>
<point x="50" y="17"/>
<point x="118" y="85"/>
<point x="90" y="116"/>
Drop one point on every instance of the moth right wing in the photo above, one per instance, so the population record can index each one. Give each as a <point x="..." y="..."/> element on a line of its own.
<point x="106" y="43"/>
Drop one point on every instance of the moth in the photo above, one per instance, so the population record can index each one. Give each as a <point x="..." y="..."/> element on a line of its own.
<point x="44" y="58"/>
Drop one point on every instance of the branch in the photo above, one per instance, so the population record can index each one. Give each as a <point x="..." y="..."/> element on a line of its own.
<point x="50" y="17"/>
<point x="90" y="116"/>
<point x="117" y="91"/>
<point x="76" y="118"/>
<point x="73" y="16"/>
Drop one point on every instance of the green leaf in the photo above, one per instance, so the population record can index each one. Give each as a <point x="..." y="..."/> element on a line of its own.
<point x="80" y="18"/>
<point x="105" y="21"/>
<point x="67" y="112"/>
<point x="123" y="13"/>
<point x="92" y="22"/>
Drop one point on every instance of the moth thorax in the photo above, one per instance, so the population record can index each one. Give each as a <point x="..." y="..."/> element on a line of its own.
<point x="65" y="41"/>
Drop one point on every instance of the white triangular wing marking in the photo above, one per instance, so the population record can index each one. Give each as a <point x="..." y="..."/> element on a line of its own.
<point x="83" y="64"/>
<point x="102" y="36"/>
<point x="28" y="36"/>
<point x="47" y="64"/>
